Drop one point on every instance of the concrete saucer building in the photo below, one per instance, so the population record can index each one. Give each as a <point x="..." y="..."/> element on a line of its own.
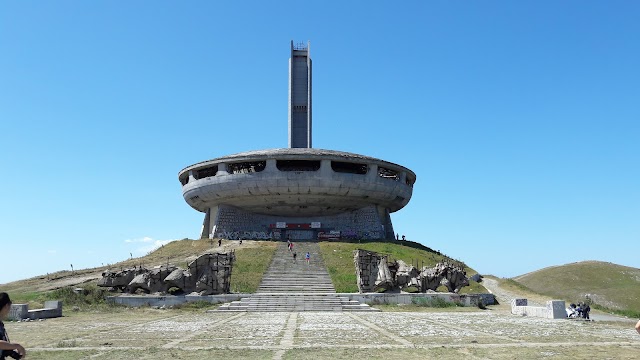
<point x="297" y="193"/>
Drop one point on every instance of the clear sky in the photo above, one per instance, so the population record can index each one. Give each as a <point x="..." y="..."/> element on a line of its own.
<point x="521" y="120"/>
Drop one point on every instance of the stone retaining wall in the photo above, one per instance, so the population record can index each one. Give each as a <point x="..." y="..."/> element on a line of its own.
<point x="368" y="298"/>
<point x="554" y="309"/>
<point x="51" y="309"/>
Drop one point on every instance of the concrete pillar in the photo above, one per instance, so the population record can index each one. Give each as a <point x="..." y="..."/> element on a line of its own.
<point x="372" y="174"/>
<point x="191" y="176"/>
<point x="18" y="312"/>
<point x="325" y="168"/>
<point x="222" y="169"/>
<point x="205" y="230"/>
<point x="271" y="167"/>
<point x="209" y="224"/>
<point x="403" y="177"/>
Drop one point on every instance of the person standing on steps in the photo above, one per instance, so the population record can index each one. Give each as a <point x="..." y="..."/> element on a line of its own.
<point x="7" y="348"/>
<point x="294" y="257"/>
<point x="307" y="257"/>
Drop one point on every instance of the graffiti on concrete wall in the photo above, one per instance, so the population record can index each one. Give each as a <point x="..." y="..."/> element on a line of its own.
<point x="247" y="235"/>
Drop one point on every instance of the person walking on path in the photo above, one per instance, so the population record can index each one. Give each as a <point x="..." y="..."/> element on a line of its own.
<point x="291" y="247"/>
<point x="307" y="257"/>
<point x="7" y="348"/>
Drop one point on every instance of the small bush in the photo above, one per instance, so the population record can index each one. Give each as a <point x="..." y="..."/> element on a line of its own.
<point x="67" y="343"/>
<point x="195" y="305"/>
<point x="434" y="302"/>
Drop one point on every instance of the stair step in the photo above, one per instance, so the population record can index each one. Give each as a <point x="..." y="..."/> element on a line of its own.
<point x="296" y="286"/>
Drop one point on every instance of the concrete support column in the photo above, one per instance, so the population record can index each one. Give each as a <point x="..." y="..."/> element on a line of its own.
<point x="270" y="167"/>
<point x="204" y="230"/>
<point x="403" y="177"/>
<point x="372" y="174"/>
<point x="209" y="224"/>
<point x="222" y="169"/>
<point x="385" y="219"/>
<point x="325" y="168"/>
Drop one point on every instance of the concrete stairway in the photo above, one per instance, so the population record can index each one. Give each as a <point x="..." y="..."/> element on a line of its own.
<point x="290" y="285"/>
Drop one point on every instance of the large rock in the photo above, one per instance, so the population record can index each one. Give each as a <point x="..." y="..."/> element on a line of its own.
<point x="208" y="274"/>
<point x="430" y="278"/>
<point x="152" y="281"/>
<point x="384" y="280"/>
<point x="212" y="273"/>
<point x="406" y="275"/>
<point x="366" y="263"/>
<point x="119" y="279"/>
<point x="375" y="273"/>
<point x="455" y="277"/>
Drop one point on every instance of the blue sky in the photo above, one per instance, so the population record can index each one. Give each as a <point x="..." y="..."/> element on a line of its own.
<point x="520" y="119"/>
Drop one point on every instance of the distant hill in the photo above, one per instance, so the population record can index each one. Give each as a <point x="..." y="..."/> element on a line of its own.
<point x="609" y="285"/>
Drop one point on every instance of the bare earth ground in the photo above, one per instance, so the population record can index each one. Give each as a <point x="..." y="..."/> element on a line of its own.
<point x="445" y="334"/>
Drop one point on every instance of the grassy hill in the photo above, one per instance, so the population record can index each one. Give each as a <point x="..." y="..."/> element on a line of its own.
<point x="608" y="285"/>
<point x="338" y="257"/>
<point x="252" y="260"/>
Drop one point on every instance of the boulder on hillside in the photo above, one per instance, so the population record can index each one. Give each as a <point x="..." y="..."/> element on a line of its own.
<point x="375" y="273"/>
<point x="208" y="274"/>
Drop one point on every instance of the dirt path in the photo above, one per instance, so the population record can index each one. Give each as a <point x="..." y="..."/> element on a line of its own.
<point x="504" y="297"/>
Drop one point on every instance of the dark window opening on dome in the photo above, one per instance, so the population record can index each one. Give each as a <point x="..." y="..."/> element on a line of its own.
<point x="205" y="172"/>
<point x="410" y="181"/>
<point x="388" y="173"/>
<point x="351" y="168"/>
<point x="247" y="167"/>
<point x="184" y="180"/>
<point x="298" y="165"/>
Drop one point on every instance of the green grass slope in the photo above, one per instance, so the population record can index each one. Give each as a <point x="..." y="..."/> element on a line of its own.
<point x="608" y="285"/>
<point x="338" y="257"/>
<point x="252" y="260"/>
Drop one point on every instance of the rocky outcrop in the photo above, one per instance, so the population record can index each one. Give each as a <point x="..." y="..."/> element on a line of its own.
<point x="376" y="274"/>
<point x="209" y="274"/>
<point x="119" y="280"/>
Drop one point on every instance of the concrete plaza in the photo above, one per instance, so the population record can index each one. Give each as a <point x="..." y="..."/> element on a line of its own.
<point x="436" y="333"/>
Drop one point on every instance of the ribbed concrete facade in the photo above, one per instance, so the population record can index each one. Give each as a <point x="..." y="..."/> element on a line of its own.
<point x="300" y="96"/>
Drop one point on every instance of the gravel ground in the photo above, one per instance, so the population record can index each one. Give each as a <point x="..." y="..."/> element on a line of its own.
<point x="178" y="334"/>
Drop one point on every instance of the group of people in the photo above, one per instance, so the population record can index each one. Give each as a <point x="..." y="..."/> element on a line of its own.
<point x="307" y="256"/>
<point x="579" y="311"/>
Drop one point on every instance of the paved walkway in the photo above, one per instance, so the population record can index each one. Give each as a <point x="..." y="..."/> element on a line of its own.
<point x="321" y="335"/>
<point x="295" y="284"/>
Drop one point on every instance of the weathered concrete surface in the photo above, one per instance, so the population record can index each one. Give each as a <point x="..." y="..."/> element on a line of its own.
<point x="172" y="334"/>
<point x="554" y="309"/>
<point x="375" y="274"/>
<point x="208" y="274"/>
<point x="51" y="309"/>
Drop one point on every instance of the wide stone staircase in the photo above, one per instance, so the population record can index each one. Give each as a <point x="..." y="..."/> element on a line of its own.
<point x="290" y="285"/>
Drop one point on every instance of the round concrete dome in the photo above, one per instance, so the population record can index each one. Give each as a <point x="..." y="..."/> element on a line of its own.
<point x="297" y="182"/>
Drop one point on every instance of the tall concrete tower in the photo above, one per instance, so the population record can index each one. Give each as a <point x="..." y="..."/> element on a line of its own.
<point x="300" y="96"/>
